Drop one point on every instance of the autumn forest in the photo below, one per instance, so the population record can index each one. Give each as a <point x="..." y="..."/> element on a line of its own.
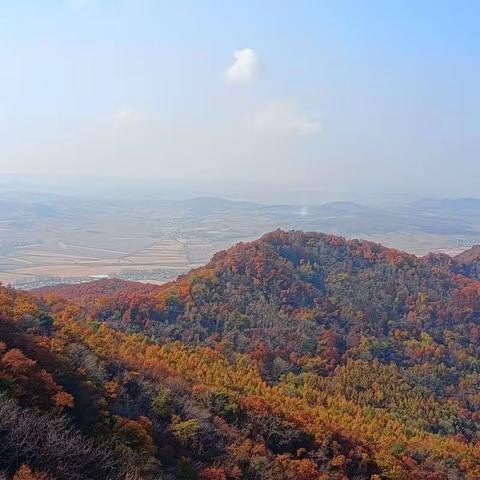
<point x="299" y="356"/>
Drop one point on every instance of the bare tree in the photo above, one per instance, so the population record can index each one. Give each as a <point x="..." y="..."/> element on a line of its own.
<point x="52" y="445"/>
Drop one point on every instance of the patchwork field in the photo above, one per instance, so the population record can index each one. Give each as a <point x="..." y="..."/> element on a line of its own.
<point x="47" y="239"/>
<point x="71" y="262"/>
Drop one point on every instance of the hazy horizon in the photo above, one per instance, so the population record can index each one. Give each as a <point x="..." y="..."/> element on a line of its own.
<point x="111" y="188"/>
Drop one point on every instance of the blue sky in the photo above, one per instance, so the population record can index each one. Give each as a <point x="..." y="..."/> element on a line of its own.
<point x="331" y="96"/>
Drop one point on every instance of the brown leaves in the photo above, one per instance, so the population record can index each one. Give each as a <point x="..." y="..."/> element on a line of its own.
<point x="25" y="473"/>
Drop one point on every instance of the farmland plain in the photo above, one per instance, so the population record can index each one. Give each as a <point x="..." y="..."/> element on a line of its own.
<point x="47" y="239"/>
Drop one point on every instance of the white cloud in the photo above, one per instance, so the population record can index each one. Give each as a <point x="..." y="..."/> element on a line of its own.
<point x="244" y="68"/>
<point x="125" y="116"/>
<point x="284" y="118"/>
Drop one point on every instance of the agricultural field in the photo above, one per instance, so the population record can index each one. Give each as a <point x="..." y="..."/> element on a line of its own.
<point x="74" y="243"/>
<point x="72" y="261"/>
<point x="47" y="239"/>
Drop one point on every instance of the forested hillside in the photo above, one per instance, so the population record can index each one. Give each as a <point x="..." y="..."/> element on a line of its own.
<point x="468" y="262"/>
<point x="297" y="356"/>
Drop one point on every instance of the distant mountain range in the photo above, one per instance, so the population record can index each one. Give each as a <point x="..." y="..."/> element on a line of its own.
<point x="459" y="204"/>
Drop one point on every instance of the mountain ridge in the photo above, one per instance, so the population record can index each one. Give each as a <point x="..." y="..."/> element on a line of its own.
<point x="295" y="356"/>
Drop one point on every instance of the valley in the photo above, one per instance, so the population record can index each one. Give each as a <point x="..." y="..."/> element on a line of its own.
<point x="47" y="239"/>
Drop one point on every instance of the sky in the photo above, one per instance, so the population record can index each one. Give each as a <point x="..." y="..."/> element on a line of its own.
<point x="311" y="96"/>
